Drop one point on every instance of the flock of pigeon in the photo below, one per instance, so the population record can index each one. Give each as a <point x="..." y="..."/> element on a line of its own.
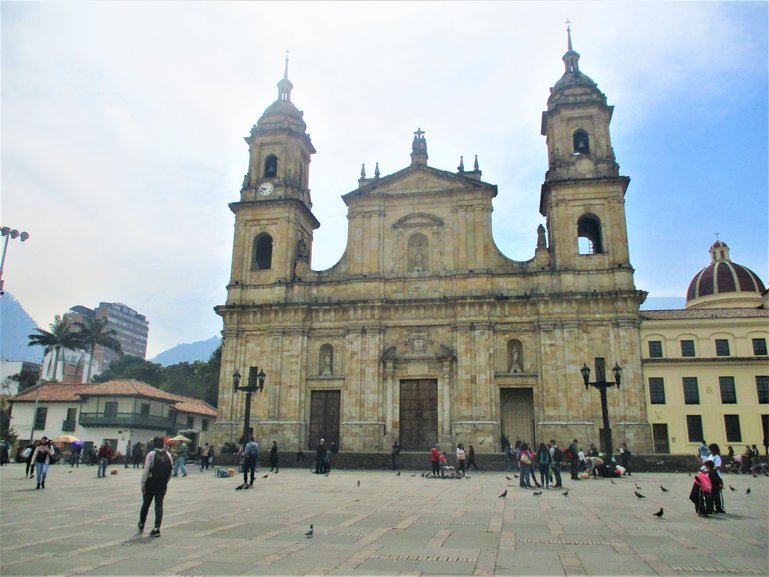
<point x="310" y="532"/>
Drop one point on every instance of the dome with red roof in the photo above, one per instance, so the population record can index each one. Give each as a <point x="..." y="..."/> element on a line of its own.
<point x="724" y="283"/>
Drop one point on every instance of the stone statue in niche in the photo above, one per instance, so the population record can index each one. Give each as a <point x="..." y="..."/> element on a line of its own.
<point x="541" y="242"/>
<point x="326" y="362"/>
<point x="301" y="250"/>
<point x="419" y="259"/>
<point x="515" y="356"/>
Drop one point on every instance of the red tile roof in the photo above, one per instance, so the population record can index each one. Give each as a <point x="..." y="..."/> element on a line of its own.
<point x="58" y="392"/>
<point x="682" y="314"/>
<point x="197" y="406"/>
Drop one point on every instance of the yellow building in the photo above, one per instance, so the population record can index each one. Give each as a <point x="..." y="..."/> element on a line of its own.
<point x="705" y="367"/>
<point x="425" y="331"/>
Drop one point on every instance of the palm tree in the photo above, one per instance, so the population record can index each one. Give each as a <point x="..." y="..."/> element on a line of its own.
<point x="62" y="335"/>
<point x="94" y="331"/>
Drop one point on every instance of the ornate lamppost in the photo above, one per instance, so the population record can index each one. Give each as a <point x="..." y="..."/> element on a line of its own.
<point x="9" y="233"/>
<point x="256" y="377"/>
<point x="602" y="384"/>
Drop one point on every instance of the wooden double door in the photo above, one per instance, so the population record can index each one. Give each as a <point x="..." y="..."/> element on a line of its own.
<point x="517" y="412"/>
<point x="418" y="414"/>
<point x="324" y="417"/>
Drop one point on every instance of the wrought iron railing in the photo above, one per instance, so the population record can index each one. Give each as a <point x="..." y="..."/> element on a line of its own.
<point x="136" y="420"/>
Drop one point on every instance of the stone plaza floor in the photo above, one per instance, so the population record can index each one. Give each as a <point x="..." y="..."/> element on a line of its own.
<point x="377" y="523"/>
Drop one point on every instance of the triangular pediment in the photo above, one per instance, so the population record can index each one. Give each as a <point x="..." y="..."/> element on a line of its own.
<point x="416" y="179"/>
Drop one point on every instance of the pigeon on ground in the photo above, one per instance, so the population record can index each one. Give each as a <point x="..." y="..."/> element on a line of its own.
<point x="637" y="487"/>
<point x="508" y="478"/>
<point x="537" y="493"/>
<point x="398" y="474"/>
<point x="637" y="494"/>
<point x="747" y="491"/>
<point x="240" y="487"/>
<point x="309" y="533"/>
<point x="565" y="493"/>
<point x="613" y="482"/>
<point x="732" y="488"/>
<point x="514" y="475"/>
<point x="414" y="475"/>
<point x="664" y="490"/>
<point x="503" y="494"/>
<point x="423" y="475"/>
<point x="265" y="476"/>
<point x="659" y="513"/>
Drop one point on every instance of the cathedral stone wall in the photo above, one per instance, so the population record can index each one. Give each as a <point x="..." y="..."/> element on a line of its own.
<point x="425" y="332"/>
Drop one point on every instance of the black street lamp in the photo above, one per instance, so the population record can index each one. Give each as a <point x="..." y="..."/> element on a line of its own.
<point x="602" y="384"/>
<point x="255" y="384"/>
<point x="9" y="233"/>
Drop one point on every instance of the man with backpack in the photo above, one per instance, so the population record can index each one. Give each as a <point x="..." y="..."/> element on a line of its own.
<point x="250" y="457"/>
<point x="556" y="458"/>
<point x="155" y="477"/>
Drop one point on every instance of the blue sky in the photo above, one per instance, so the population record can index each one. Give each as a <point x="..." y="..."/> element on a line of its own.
<point x="122" y="128"/>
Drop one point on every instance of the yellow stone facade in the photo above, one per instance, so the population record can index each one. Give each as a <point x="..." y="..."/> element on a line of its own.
<point x="425" y="331"/>
<point x="706" y="368"/>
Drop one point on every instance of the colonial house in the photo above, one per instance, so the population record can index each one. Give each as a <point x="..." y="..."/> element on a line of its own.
<point x="117" y="411"/>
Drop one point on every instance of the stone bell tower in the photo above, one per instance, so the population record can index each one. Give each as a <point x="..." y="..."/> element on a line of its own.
<point x="273" y="219"/>
<point x="583" y="196"/>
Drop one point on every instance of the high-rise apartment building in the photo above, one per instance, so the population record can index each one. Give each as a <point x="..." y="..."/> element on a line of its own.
<point x="131" y="330"/>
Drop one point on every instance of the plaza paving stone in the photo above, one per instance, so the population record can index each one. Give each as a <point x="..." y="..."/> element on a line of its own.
<point x="388" y="525"/>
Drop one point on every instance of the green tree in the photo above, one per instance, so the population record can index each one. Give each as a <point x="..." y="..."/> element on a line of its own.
<point x="132" y="367"/>
<point x="6" y="430"/>
<point x="25" y="379"/>
<point x="62" y="335"/>
<point x="94" y="331"/>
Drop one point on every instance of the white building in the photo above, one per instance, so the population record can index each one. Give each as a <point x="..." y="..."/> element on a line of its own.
<point x="118" y="411"/>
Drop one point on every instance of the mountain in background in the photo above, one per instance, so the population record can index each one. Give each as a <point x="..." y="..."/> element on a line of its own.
<point x="188" y="352"/>
<point x="15" y="326"/>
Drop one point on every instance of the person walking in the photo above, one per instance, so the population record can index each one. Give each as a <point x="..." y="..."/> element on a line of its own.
<point x="543" y="461"/>
<point x="460" y="459"/>
<point x="42" y="458"/>
<point x="394" y="452"/>
<point x="471" y="459"/>
<point x="205" y="455"/>
<point x="104" y="455"/>
<point x="250" y="457"/>
<point x="137" y="455"/>
<point x="624" y="458"/>
<point x="181" y="459"/>
<point x="77" y="450"/>
<point x="274" y="456"/>
<point x="128" y="454"/>
<point x="320" y="457"/>
<point x="157" y="472"/>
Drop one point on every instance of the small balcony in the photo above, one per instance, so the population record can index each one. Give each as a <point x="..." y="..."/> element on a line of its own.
<point x="133" y="420"/>
<point x="68" y="426"/>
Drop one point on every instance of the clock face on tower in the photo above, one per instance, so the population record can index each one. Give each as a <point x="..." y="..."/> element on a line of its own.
<point x="266" y="188"/>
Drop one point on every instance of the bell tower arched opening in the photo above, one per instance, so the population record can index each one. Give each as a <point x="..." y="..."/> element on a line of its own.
<point x="262" y="252"/>
<point x="589" y="234"/>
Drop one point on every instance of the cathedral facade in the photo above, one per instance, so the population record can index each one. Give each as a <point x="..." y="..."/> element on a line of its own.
<point x="425" y="332"/>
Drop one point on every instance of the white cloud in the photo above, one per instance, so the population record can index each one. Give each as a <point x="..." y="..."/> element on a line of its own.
<point x="122" y="123"/>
